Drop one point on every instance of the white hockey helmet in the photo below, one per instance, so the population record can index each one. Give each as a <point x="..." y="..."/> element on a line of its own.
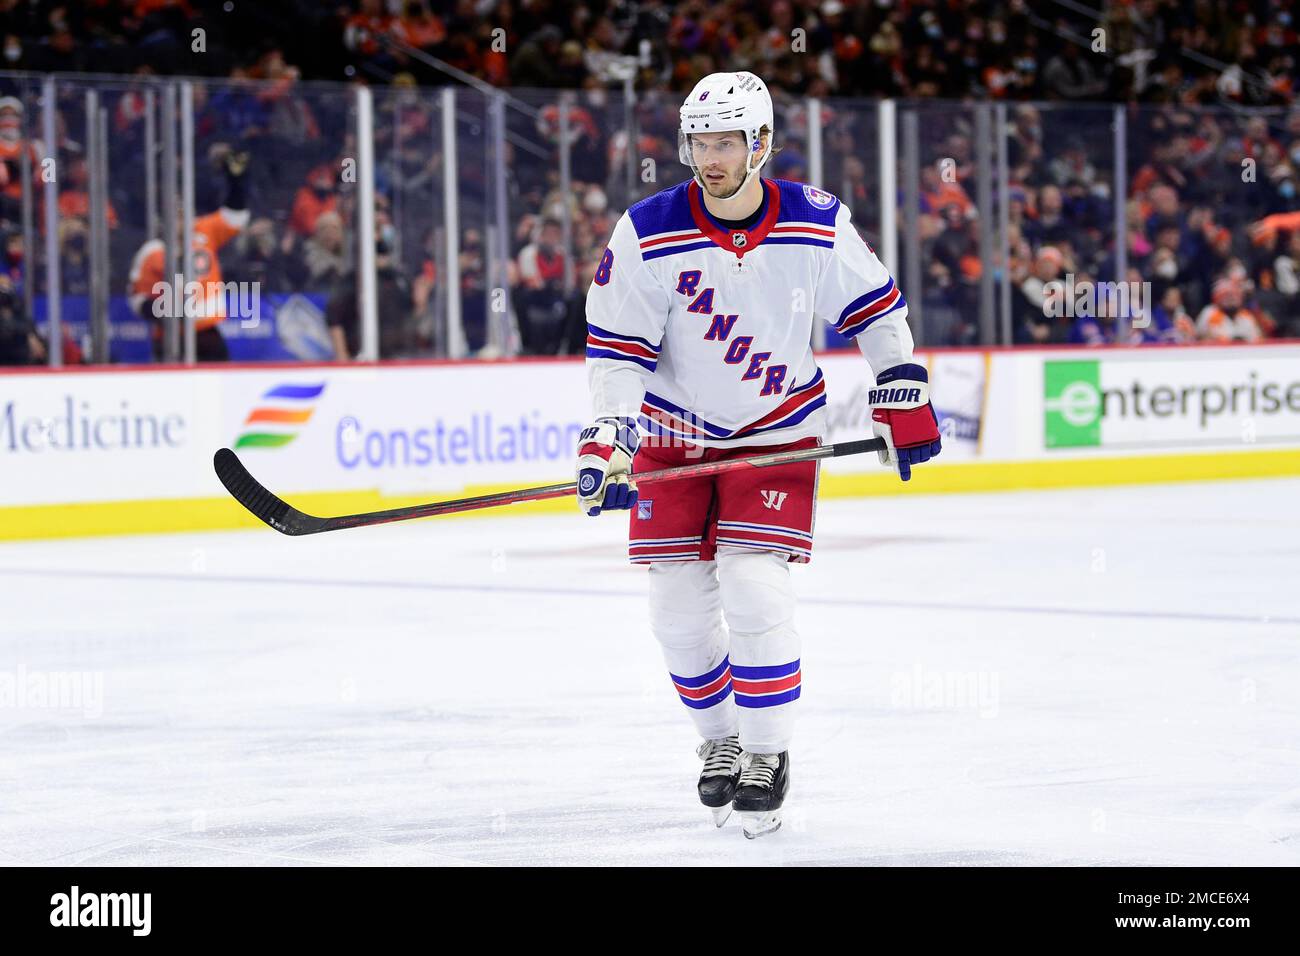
<point x="728" y="101"/>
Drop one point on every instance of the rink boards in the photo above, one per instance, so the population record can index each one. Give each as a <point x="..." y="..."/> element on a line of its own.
<point x="112" y="451"/>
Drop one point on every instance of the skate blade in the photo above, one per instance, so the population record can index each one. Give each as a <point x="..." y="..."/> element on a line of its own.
<point x="756" y="825"/>
<point x="720" y="815"/>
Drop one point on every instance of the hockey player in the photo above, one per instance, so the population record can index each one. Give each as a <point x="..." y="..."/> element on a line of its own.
<point x="699" y="319"/>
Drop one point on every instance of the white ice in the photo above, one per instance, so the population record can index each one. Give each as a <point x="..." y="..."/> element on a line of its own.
<point x="1106" y="676"/>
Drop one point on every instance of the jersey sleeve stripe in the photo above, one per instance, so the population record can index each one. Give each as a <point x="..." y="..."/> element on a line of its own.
<point x="606" y="334"/>
<point x="880" y="305"/>
<point x="624" y="348"/>
<point x="861" y="302"/>
<point x="879" y="311"/>
<point x="599" y="353"/>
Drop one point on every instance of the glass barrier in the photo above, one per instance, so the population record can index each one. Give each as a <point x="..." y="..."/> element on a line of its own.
<point x="1003" y="215"/>
<point x="484" y="304"/>
<point x="410" y="184"/>
<point x="1061" y="212"/>
<point x="272" y="210"/>
<point x="850" y="167"/>
<point x="22" y="269"/>
<point x="946" y="258"/>
<point x="1213" y="222"/>
<point x="295" y="253"/>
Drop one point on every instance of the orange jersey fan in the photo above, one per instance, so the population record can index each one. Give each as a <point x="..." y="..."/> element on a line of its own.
<point x="211" y="232"/>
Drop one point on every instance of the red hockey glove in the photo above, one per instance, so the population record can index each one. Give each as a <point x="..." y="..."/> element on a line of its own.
<point x="903" y="417"/>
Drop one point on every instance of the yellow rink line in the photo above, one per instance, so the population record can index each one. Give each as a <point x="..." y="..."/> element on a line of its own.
<point x="209" y="514"/>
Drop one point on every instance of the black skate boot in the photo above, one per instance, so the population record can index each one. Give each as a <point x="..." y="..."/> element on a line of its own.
<point x="717" y="784"/>
<point x="763" y="784"/>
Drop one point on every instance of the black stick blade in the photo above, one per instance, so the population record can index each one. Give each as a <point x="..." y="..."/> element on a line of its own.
<point x="263" y="505"/>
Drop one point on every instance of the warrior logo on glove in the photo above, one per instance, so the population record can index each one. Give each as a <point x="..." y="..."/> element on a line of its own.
<point x="902" y="415"/>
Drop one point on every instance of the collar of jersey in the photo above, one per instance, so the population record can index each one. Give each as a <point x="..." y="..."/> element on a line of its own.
<point x="722" y="237"/>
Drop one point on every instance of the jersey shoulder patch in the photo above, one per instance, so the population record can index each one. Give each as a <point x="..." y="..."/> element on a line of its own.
<point x="668" y="210"/>
<point x="803" y="203"/>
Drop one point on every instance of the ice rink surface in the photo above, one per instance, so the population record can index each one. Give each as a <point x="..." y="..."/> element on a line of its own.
<point x="1105" y="676"/>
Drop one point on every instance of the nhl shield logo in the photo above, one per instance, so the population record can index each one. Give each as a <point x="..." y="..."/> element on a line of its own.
<point x="739" y="240"/>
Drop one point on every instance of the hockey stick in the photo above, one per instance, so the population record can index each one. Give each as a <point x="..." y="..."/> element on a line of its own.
<point x="289" y="520"/>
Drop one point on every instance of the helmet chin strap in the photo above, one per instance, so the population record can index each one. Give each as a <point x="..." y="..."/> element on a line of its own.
<point x="753" y="171"/>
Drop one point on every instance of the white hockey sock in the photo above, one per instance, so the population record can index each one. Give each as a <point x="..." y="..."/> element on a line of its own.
<point x="686" y="618"/>
<point x="758" y="600"/>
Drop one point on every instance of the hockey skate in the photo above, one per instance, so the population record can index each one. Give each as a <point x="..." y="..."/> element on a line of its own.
<point x="763" y="784"/>
<point x="717" y="786"/>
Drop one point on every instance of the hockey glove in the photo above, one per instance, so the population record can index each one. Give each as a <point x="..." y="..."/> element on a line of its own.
<point x="605" y="451"/>
<point x="902" y="415"/>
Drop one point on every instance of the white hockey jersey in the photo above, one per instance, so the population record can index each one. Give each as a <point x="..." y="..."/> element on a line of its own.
<point x="704" y="333"/>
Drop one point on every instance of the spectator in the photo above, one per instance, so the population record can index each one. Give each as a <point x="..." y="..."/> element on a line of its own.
<point x="401" y="334"/>
<point x="12" y="146"/>
<point x="1226" y="318"/>
<point x="325" y="253"/>
<point x="74" y="200"/>
<point x="258" y="258"/>
<point x="1286" y="270"/>
<point x="19" y="343"/>
<point x="315" y="197"/>
<point x="1170" y="322"/>
<point x="74" y="260"/>
<point x="537" y="62"/>
<point x="544" y="308"/>
<point x="148" y="281"/>
<point x="14" y="264"/>
<point x="1036" y="311"/>
<point x="1069" y="75"/>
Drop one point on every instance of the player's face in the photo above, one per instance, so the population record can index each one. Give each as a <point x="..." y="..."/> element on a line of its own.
<point x="720" y="158"/>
